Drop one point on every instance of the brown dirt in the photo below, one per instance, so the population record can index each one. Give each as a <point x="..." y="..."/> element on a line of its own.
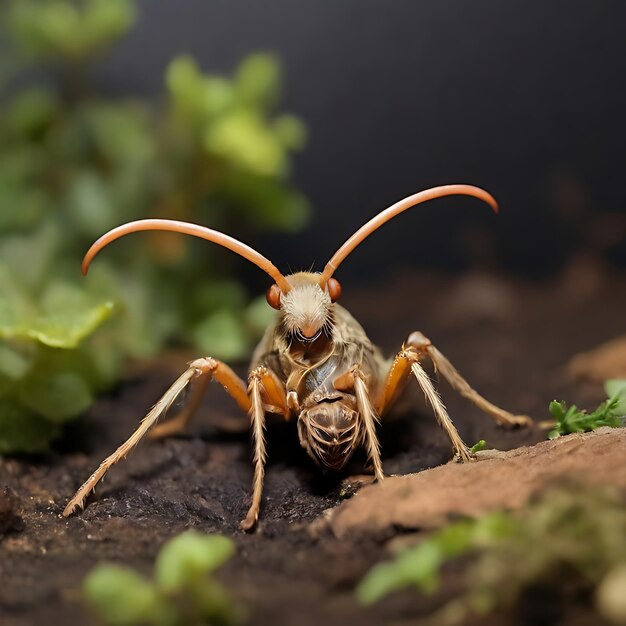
<point x="512" y="345"/>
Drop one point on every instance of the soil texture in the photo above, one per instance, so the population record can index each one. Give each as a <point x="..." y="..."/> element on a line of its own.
<point x="511" y="340"/>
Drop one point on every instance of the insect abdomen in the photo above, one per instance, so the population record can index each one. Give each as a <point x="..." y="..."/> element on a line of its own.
<point x="330" y="432"/>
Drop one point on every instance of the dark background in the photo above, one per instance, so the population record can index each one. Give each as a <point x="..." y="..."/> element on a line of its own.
<point x="524" y="98"/>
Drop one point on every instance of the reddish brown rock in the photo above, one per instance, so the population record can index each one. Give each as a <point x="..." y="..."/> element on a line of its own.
<point x="498" y="480"/>
<point x="606" y="361"/>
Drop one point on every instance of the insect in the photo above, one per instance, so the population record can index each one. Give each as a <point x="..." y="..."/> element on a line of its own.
<point x="314" y="364"/>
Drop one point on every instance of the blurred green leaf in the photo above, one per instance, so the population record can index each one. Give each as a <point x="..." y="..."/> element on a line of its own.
<point x="100" y="358"/>
<point x="67" y="329"/>
<point x="20" y="164"/>
<point x="67" y="317"/>
<point x="22" y="430"/>
<point x="15" y="360"/>
<point x="419" y="567"/>
<point x="184" y="83"/>
<point x="14" y="306"/>
<point x="197" y="96"/>
<point x="183" y="592"/>
<point x="182" y="77"/>
<point x="124" y="598"/>
<point x="188" y="556"/>
<point x="147" y="312"/>
<point x="106" y="20"/>
<point x="221" y="335"/>
<point x="568" y="539"/>
<point x="44" y="28"/>
<point x="74" y="164"/>
<point x="31" y="111"/>
<point x="242" y="137"/>
<point x="27" y="257"/>
<point x="66" y="28"/>
<point x="121" y="132"/>
<point x="32" y="204"/>
<point x="616" y="388"/>
<point x="57" y="396"/>
<point x="56" y="329"/>
<point x="258" y="80"/>
<point x="290" y="131"/>
<point x="220" y="294"/>
<point x="89" y="204"/>
<point x="275" y="204"/>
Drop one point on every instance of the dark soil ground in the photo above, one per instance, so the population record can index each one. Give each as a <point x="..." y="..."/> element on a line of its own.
<point x="510" y="339"/>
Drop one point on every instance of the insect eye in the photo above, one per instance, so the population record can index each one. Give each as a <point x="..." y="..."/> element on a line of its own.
<point x="273" y="296"/>
<point x="334" y="289"/>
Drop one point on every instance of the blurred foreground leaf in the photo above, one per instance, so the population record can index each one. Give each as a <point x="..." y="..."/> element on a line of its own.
<point x="570" y="539"/>
<point x="183" y="591"/>
<point x="122" y="597"/>
<point x="189" y="556"/>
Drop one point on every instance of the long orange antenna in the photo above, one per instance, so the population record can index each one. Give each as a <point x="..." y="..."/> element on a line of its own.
<point x="399" y="207"/>
<point x="188" y="229"/>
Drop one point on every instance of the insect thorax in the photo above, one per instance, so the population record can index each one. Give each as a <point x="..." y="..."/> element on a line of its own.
<point x="329" y="425"/>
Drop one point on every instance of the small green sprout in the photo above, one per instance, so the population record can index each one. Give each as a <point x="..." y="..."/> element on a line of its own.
<point x="611" y="412"/>
<point x="183" y="590"/>
<point x="568" y="536"/>
<point x="478" y="446"/>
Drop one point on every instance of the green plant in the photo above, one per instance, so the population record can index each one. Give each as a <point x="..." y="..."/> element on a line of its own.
<point x="478" y="446"/>
<point x="567" y="537"/>
<point x="74" y="163"/>
<point x="183" y="591"/>
<point x="611" y="412"/>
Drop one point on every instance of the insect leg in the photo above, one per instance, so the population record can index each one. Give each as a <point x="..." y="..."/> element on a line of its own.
<point x="396" y="380"/>
<point x="406" y="363"/>
<point x="257" y="419"/>
<point x="370" y="418"/>
<point x="213" y="369"/>
<point x="178" y="423"/>
<point x="441" y="413"/>
<point x="422" y="344"/>
<point x="200" y="368"/>
<point x="273" y="393"/>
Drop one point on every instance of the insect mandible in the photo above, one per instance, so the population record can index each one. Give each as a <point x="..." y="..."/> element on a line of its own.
<point x="315" y="364"/>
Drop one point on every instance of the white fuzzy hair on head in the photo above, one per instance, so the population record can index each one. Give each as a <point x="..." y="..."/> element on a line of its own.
<point x="305" y="309"/>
